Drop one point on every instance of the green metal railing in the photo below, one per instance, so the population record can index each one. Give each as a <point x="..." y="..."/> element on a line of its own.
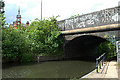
<point x="99" y="62"/>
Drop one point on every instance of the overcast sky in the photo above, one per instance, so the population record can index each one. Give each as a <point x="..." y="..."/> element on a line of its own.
<point x="31" y="9"/>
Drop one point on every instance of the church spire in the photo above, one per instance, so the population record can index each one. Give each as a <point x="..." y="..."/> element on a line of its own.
<point x="18" y="20"/>
<point x="18" y="15"/>
<point x="19" y="11"/>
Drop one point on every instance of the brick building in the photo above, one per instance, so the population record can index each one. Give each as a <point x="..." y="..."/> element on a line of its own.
<point x="18" y="21"/>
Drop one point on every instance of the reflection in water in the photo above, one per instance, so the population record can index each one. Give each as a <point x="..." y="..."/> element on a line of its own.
<point x="52" y="69"/>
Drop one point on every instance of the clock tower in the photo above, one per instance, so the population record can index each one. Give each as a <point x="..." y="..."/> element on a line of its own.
<point x="18" y="21"/>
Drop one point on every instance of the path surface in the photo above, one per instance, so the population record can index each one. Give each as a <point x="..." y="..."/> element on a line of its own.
<point x="110" y="70"/>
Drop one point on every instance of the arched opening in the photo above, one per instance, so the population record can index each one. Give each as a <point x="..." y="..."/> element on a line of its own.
<point x="83" y="47"/>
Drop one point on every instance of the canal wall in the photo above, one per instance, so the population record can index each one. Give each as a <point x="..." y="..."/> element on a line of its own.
<point x="48" y="58"/>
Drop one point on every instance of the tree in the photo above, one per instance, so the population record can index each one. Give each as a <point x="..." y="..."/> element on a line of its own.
<point x="40" y="38"/>
<point x="45" y="36"/>
<point x="14" y="44"/>
<point x="107" y="47"/>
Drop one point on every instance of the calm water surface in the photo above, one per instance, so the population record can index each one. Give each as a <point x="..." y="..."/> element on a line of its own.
<point x="52" y="69"/>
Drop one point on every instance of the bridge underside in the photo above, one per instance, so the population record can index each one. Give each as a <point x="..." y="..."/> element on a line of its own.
<point x="79" y="32"/>
<point x="83" y="47"/>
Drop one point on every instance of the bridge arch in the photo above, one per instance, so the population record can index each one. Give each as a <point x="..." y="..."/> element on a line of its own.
<point x="83" y="47"/>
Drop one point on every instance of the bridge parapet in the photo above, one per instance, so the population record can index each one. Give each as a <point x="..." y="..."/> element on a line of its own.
<point x="98" y="18"/>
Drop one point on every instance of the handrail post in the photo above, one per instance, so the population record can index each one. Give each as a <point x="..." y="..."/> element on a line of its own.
<point x="100" y="64"/>
<point x="102" y="60"/>
<point x="97" y="65"/>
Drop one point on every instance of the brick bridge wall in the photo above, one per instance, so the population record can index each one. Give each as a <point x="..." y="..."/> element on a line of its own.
<point x="99" y="18"/>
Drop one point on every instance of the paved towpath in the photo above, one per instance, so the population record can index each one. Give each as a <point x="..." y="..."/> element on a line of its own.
<point x="110" y="70"/>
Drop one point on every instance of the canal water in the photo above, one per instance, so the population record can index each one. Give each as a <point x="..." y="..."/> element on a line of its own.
<point x="51" y="69"/>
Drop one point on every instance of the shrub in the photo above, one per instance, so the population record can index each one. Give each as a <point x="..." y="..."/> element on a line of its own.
<point x="41" y="37"/>
<point x="26" y="57"/>
<point x="107" y="47"/>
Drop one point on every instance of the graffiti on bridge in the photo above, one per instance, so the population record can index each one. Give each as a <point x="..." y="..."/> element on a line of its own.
<point x="103" y="17"/>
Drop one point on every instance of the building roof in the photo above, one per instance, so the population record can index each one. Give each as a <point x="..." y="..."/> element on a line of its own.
<point x="27" y="22"/>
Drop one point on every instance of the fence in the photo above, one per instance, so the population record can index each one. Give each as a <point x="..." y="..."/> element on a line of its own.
<point x="99" y="62"/>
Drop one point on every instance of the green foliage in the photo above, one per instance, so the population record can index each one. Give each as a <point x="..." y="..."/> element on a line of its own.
<point x="13" y="44"/>
<point x="2" y="19"/>
<point x="74" y="16"/>
<point x="107" y="47"/>
<point x="26" y="57"/>
<point x="40" y="38"/>
<point x="45" y="36"/>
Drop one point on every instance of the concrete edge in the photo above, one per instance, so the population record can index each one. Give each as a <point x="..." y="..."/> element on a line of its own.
<point x="88" y="74"/>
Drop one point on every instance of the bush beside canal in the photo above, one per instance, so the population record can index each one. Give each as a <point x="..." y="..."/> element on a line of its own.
<point x="107" y="47"/>
<point x="42" y="37"/>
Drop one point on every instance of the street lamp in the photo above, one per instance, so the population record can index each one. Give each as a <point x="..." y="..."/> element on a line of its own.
<point x="41" y="9"/>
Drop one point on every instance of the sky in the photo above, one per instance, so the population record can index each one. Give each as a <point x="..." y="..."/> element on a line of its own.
<point x="31" y="9"/>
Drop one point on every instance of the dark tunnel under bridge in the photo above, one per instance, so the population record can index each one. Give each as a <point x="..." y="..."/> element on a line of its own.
<point x="83" y="47"/>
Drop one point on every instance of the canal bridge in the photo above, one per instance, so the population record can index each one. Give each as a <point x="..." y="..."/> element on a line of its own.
<point x="84" y="33"/>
